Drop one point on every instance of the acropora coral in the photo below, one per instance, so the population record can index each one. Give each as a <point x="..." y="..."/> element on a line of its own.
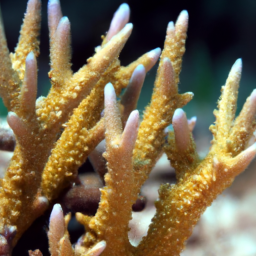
<point x="56" y="134"/>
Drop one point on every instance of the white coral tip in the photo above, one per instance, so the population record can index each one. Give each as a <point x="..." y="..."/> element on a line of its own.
<point x="237" y="67"/>
<point x="110" y="95"/>
<point x="121" y="17"/>
<point x="183" y="17"/>
<point x="181" y="129"/>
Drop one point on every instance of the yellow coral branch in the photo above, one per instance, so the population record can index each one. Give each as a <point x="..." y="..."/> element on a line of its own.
<point x="174" y="45"/>
<point x="28" y="40"/>
<point x="181" y="148"/>
<point x="9" y="80"/>
<point x="51" y="109"/>
<point x="156" y="118"/>
<point x="114" y="212"/>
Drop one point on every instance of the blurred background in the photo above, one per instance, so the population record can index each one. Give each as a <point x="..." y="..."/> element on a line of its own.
<point x="220" y="31"/>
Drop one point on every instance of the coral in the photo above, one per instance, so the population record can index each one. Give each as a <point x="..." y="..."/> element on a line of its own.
<point x="56" y="134"/>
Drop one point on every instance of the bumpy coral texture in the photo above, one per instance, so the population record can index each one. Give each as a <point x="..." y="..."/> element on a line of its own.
<point x="55" y="135"/>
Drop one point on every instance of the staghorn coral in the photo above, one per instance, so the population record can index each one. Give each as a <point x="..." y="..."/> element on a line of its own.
<point x="54" y="136"/>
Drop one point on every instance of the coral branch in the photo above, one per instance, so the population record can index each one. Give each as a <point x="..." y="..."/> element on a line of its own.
<point x="58" y="236"/>
<point x="82" y="82"/>
<point x="150" y="140"/>
<point x="181" y="130"/>
<point x="28" y="41"/>
<point x="54" y="16"/>
<point x="181" y="148"/>
<point x="174" y="45"/>
<point x="9" y="80"/>
<point x="61" y="54"/>
<point x="56" y="229"/>
<point x="121" y="17"/>
<point x="112" y="218"/>
<point x="243" y="127"/>
<point x="29" y="87"/>
<point x="227" y="103"/>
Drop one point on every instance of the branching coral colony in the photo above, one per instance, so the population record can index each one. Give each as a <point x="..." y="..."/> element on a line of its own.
<point x="46" y="159"/>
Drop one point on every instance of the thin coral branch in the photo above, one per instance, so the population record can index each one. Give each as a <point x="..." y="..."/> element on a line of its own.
<point x="174" y="46"/>
<point x="54" y="16"/>
<point x="129" y="102"/>
<point x="59" y="242"/>
<point x="61" y="54"/>
<point x="56" y="229"/>
<point x="29" y="87"/>
<point x="224" y="118"/>
<point x="181" y="148"/>
<point x="66" y="160"/>
<point x="121" y="17"/>
<point x="151" y="135"/>
<point x="9" y="86"/>
<point x="119" y="148"/>
<point x="28" y="40"/>
<point x="181" y="130"/>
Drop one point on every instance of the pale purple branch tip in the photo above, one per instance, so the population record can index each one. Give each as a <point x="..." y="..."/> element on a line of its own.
<point x="29" y="87"/>
<point x="63" y="31"/>
<point x="182" y="19"/>
<point x="170" y="28"/>
<point x="243" y="159"/>
<point x="54" y="16"/>
<point x="181" y="129"/>
<point x="62" y="45"/>
<point x="112" y="117"/>
<point x="17" y="125"/>
<point x="154" y="56"/>
<point x="110" y="95"/>
<point x="168" y="86"/>
<point x="130" y="131"/>
<point x="121" y="17"/>
<point x="57" y="220"/>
